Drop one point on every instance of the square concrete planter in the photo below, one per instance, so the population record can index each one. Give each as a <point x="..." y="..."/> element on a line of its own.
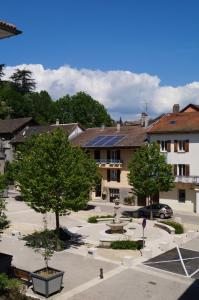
<point x="47" y="284"/>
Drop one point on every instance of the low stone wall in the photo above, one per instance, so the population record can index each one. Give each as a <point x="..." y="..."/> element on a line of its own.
<point x="165" y="227"/>
<point x="111" y="219"/>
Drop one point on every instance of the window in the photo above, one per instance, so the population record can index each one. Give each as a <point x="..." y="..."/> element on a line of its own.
<point x="181" y="196"/>
<point x="181" y="170"/>
<point x="113" y="155"/>
<point x="113" y="175"/>
<point x="97" y="154"/>
<point x="181" y="146"/>
<point x="165" y="146"/>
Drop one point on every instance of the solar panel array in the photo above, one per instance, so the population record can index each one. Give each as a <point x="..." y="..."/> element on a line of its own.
<point x="105" y="140"/>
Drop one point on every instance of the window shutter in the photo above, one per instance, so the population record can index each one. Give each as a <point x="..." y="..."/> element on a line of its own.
<point x="118" y="175"/>
<point x="158" y="142"/>
<point x="108" y="175"/>
<point x="168" y="143"/>
<point x="186" y="170"/>
<point x="187" y="146"/>
<point x="108" y="154"/>
<point x="175" y="146"/>
<point x="175" y="167"/>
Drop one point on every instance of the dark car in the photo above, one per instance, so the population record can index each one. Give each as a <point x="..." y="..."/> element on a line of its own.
<point x="161" y="211"/>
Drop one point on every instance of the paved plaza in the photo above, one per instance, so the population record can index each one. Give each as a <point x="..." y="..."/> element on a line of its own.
<point x="81" y="278"/>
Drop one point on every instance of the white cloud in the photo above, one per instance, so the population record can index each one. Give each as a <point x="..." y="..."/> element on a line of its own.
<point x="123" y="93"/>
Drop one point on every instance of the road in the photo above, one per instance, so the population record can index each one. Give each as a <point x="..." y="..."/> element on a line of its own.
<point x="186" y="218"/>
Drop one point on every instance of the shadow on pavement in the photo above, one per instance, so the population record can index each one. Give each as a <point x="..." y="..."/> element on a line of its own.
<point x="192" y="292"/>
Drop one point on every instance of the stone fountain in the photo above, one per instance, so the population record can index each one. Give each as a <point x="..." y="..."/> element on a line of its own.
<point x="117" y="225"/>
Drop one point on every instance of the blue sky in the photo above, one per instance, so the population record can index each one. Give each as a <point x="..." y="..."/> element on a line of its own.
<point x="156" y="37"/>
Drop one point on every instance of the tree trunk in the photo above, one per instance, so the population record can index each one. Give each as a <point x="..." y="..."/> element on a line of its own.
<point x="151" y="211"/>
<point x="57" y="222"/>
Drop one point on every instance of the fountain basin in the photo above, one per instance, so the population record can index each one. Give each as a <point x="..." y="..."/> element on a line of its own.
<point x="117" y="227"/>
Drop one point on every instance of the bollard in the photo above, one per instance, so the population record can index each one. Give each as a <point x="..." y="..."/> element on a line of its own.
<point x="101" y="273"/>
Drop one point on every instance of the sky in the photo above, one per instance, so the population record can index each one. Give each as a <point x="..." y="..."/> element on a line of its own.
<point x="124" y="53"/>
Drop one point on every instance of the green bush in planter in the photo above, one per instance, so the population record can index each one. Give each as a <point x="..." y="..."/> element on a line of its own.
<point x="92" y="219"/>
<point x="179" y="229"/>
<point x="131" y="245"/>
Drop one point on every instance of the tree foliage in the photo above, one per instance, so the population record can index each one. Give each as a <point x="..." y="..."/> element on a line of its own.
<point x="84" y="109"/>
<point x="53" y="175"/>
<point x="149" y="173"/>
<point x="18" y="99"/>
<point x="23" y="81"/>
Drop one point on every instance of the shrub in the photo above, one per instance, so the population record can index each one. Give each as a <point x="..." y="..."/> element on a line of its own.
<point x="7" y="284"/>
<point x="129" y="200"/>
<point x="92" y="219"/>
<point x="132" y="245"/>
<point x="177" y="226"/>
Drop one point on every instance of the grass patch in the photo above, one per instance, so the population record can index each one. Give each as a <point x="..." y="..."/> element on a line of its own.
<point x="93" y="219"/>
<point x="126" y="245"/>
<point x="179" y="229"/>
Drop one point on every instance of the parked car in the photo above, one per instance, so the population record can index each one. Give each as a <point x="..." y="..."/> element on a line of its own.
<point x="159" y="210"/>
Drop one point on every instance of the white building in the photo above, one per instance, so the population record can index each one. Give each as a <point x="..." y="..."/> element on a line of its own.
<point x="178" y="136"/>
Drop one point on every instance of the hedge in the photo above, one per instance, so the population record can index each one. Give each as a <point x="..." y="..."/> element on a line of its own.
<point x="132" y="245"/>
<point x="93" y="219"/>
<point x="179" y="229"/>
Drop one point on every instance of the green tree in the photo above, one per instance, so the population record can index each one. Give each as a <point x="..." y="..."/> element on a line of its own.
<point x="84" y="109"/>
<point x="23" y="81"/>
<point x="149" y="173"/>
<point x="53" y="175"/>
<point x="2" y="66"/>
<point x="3" y="218"/>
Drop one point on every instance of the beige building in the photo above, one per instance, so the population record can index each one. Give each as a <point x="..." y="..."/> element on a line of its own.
<point x="112" y="148"/>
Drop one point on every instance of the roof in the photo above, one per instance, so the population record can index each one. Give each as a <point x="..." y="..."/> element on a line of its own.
<point x="12" y="125"/>
<point x="134" y="136"/>
<point x="193" y="106"/>
<point x="27" y="132"/>
<point x="7" y="29"/>
<point x="176" y="123"/>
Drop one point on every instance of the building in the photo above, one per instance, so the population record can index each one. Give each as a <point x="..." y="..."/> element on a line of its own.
<point x="178" y="136"/>
<point x="71" y="129"/>
<point x="112" y="148"/>
<point x="7" y="30"/>
<point x="9" y="128"/>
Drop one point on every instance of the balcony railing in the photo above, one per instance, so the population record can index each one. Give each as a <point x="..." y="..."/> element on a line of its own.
<point x="109" y="162"/>
<point x="187" y="179"/>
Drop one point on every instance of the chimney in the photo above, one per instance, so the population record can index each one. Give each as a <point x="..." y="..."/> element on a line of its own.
<point x="57" y="122"/>
<point x="102" y="127"/>
<point x="144" y="119"/>
<point x="176" y="108"/>
<point x="118" y="127"/>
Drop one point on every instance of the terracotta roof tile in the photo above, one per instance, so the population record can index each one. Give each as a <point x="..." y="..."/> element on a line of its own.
<point x="179" y="122"/>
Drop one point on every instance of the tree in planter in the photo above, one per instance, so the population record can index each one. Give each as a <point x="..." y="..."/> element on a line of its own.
<point x="149" y="173"/>
<point x="53" y="175"/>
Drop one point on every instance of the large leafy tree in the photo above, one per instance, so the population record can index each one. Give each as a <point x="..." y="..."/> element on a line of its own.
<point x="23" y="81"/>
<point x="53" y="175"/>
<point x="149" y="173"/>
<point x="84" y="109"/>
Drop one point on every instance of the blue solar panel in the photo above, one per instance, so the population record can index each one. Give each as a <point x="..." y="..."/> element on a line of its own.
<point x="93" y="141"/>
<point x="105" y="141"/>
<point x="114" y="140"/>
